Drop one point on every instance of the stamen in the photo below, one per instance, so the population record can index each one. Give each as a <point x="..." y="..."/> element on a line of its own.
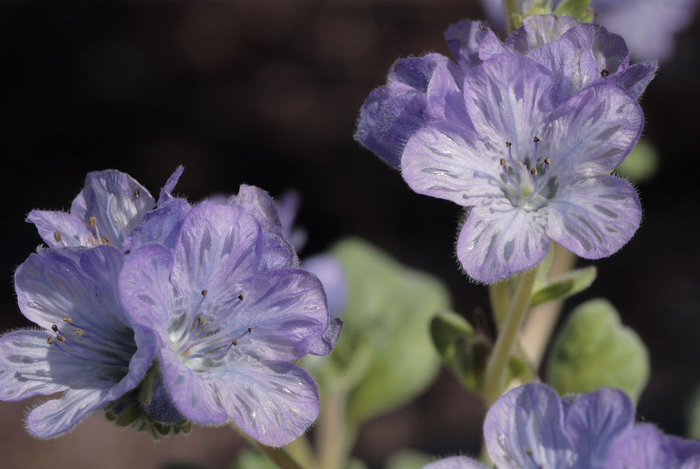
<point x="200" y="320"/>
<point x="136" y="193"/>
<point x="240" y="296"/>
<point x="68" y="320"/>
<point x="535" y="156"/>
<point x="57" y="236"/>
<point x="61" y="338"/>
<point x="605" y="73"/>
<point x="204" y="292"/>
<point x="93" y="222"/>
<point x="50" y="340"/>
<point x="105" y="240"/>
<point x="533" y="171"/>
<point x="79" y="331"/>
<point x="234" y="342"/>
<point x="54" y="327"/>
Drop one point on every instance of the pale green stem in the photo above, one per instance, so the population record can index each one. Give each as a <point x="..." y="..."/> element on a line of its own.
<point x="278" y="455"/>
<point x="335" y="435"/>
<point x="541" y="322"/>
<point x="494" y="380"/>
<point x="301" y="450"/>
<point x="511" y="7"/>
<point x="499" y="295"/>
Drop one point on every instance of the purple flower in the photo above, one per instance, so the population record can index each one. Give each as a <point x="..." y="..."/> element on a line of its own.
<point x="110" y="206"/>
<point x="529" y="171"/>
<point x="648" y="26"/>
<point x="577" y="54"/>
<point x="531" y="427"/>
<point x="232" y="312"/>
<point x="330" y="272"/>
<point x="86" y="347"/>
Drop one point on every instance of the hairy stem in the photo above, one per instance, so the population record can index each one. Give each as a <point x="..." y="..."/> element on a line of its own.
<point x="494" y="380"/>
<point x="278" y="455"/>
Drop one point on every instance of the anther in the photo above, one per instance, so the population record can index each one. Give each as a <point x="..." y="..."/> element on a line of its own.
<point x="509" y="144"/>
<point x="68" y="320"/>
<point x="49" y="340"/>
<point x="57" y="236"/>
<point x="240" y="296"/>
<point x="105" y="240"/>
<point x="136" y="193"/>
<point x="605" y="73"/>
<point x="54" y="327"/>
<point x="61" y="338"/>
<point x="79" y="331"/>
<point x="536" y="139"/>
<point x="204" y="292"/>
<point x="93" y="222"/>
<point x="547" y="161"/>
<point x="533" y="171"/>
<point x="250" y="329"/>
<point x="200" y="320"/>
<point x="503" y="162"/>
<point x="234" y="342"/>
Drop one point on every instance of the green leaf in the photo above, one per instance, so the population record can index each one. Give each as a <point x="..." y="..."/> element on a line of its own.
<point x="385" y="356"/>
<point x="594" y="350"/>
<point x="408" y="459"/>
<point x="577" y="8"/>
<point x="568" y="284"/>
<point x="641" y="165"/>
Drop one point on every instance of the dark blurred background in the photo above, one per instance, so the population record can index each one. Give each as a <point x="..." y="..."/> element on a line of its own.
<point x="266" y="92"/>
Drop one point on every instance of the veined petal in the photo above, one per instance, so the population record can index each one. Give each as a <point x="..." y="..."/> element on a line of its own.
<point x="636" y="78"/>
<point x="642" y="447"/>
<point x="609" y="50"/>
<point x="524" y="429"/>
<point x="159" y="226"/>
<point x="259" y="203"/>
<point x="456" y="462"/>
<point x="507" y="99"/>
<point x="593" y="420"/>
<point x="327" y="342"/>
<point x="286" y="310"/>
<point x="25" y="369"/>
<point x="59" y="229"/>
<point x="685" y="449"/>
<point x="117" y="202"/>
<point x="216" y="241"/>
<point x="592" y="132"/>
<point x="446" y="99"/>
<point x="274" y="402"/>
<point x="594" y="217"/>
<point x="449" y="162"/>
<point x="58" y="416"/>
<point x="192" y="392"/>
<point x="464" y="40"/>
<point x="166" y="192"/>
<point x="538" y="30"/>
<point x="500" y="240"/>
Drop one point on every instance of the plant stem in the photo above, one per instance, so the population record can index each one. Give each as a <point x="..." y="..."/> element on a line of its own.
<point x="499" y="295"/>
<point x="335" y="437"/>
<point x="301" y="450"/>
<point x="541" y="322"/>
<point x="278" y="455"/>
<point x="494" y="381"/>
<point x="511" y="8"/>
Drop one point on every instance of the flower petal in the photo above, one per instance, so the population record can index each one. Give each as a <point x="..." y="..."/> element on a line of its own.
<point x="525" y="429"/>
<point x="327" y="342"/>
<point x="159" y="226"/>
<point x="538" y="30"/>
<point x="216" y="241"/>
<point x="636" y="78"/>
<point x="594" y="217"/>
<point x="59" y="229"/>
<point x="330" y="271"/>
<point x="286" y="310"/>
<point x="117" y="202"/>
<point x="507" y="99"/>
<point x="58" y="416"/>
<point x="274" y="402"/>
<point x="166" y="192"/>
<point x="593" y="420"/>
<point x="592" y="132"/>
<point x="642" y="447"/>
<point x="500" y="240"/>
<point x="455" y="462"/>
<point x="608" y="49"/>
<point x="464" y="40"/>
<point x="25" y="369"/>
<point x="449" y="162"/>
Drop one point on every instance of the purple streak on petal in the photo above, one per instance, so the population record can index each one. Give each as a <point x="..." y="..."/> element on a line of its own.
<point x="643" y="447"/>
<point x="500" y="240"/>
<point x="449" y="162"/>
<point x="592" y="132"/>
<point x="455" y="462"/>
<point x="608" y="49"/>
<point x="445" y="99"/>
<point x="56" y="417"/>
<point x="507" y="99"/>
<point x="524" y="429"/>
<point x="328" y="341"/>
<point x="464" y="40"/>
<point x="636" y="78"/>
<point x="392" y="113"/>
<point x="71" y="230"/>
<point x="594" y="419"/>
<point x="274" y="402"/>
<point x="594" y="217"/>
<point x="491" y="46"/>
<point x="159" y="226"/>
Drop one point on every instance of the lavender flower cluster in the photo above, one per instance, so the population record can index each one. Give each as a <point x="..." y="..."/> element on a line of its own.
<point x="166" y="313"/>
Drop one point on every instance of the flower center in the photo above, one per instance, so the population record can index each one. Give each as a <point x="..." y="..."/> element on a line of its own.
<point x="526" y="185"/>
